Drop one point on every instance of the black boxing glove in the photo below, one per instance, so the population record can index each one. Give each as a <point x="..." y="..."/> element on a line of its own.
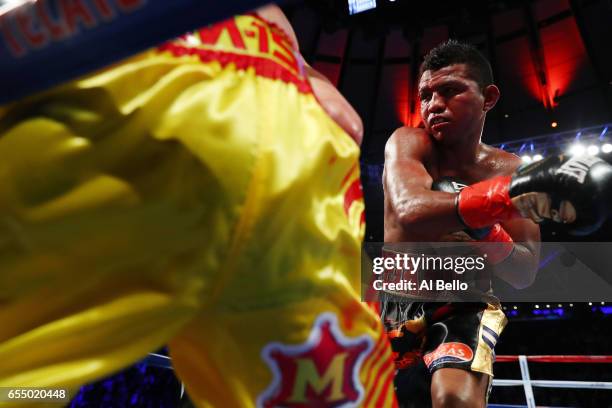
<point x="453" y="185"/>
<point x="574" y="190"/>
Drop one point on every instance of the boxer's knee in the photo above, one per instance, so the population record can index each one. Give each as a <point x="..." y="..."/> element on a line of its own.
<point x="445" y="398"/>
<point x="454" y="388"/>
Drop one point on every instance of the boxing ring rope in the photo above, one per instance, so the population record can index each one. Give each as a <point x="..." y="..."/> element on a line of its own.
<point x="159" y="360"/>
<point x="527" y="383"/>
<point x="557" y="359"/>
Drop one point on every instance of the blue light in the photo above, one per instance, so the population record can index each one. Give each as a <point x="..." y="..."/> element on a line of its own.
<point x="603" y="133"/>
<point x="523" y="146"/>
<point x="606" y="309"/>
<point x="550" y="258"/>
<point x="504" y="145"/>
<point x="532" y="146"/>
<point x="559" y="311"/>
<point x="578" y="135"/>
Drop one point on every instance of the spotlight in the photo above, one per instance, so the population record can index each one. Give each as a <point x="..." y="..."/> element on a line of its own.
<point x="606" y="148"/>
<point x="592" y="150"/>
<point x="537" y="157"/>
<point x="554" y="124"/>
<point x="590" y="303"/>
<point x="537" y="306"/>
<point x="517" y="307"/>
<point x="357" y="6"/>
<point x="548" y="306"/>
<point x="559" y="305"/>
<point x="571" y="305"/>
<point x="577" y="149"/>
<point x="526" y="159"/>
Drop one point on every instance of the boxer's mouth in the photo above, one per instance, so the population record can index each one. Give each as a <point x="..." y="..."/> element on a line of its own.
<point x="438" y="122"/>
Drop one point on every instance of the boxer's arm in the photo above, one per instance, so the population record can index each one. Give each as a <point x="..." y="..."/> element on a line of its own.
<point x="422" y="214"/>
<point x="336" y="106"/>
<point x="512" y="247"/>
<point x="519" y="264"/>
<point x="521" y="267"/>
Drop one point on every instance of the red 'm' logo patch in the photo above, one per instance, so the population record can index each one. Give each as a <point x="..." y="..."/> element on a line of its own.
<point x="322" y="372"/>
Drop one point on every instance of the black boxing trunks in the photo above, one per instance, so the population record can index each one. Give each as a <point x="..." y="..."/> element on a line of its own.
<point x="428" y="336"/>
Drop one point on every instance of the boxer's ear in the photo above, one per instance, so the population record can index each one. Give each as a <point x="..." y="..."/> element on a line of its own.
<point x="491" y="96"/>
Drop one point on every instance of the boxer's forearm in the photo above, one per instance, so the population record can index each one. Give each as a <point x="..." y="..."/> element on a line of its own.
<point x="427" y="215"/>
<point x="520" y="268"/>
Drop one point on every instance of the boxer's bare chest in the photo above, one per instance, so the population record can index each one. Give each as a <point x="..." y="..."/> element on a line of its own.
<point x="485" y="165"/>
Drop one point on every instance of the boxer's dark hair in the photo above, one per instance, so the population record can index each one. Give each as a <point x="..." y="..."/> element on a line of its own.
<point x="455" y="52"/>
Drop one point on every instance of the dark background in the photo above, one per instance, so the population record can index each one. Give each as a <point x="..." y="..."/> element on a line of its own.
<point x="552" y="60"/>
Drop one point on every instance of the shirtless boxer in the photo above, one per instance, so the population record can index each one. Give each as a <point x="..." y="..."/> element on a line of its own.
<point x="456" y="91"/>
<point x="196" y="195"/>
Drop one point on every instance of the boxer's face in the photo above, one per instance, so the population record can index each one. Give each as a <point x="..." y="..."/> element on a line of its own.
<point x="451" y="104"/>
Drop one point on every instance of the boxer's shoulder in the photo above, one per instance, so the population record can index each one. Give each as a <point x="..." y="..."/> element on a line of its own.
<point x="409" y="142"/>
<point x="497" y="162"/>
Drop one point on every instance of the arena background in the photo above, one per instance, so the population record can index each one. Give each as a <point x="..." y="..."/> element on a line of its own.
<point x="553" y="62"/>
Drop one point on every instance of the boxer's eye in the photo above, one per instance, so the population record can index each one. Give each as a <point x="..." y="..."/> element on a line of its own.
<point x="425" y="96"/>
<point x="448" y="91"/>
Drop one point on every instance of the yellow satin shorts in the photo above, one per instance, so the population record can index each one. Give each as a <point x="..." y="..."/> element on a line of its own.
<point x="195" y="195"/>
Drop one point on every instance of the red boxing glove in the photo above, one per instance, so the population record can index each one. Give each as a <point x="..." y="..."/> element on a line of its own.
<point x="500" y="245"/>
<point x="486" y="203"/>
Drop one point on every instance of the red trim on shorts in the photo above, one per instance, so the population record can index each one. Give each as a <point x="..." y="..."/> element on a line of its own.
<point x="382" y="349"/>
<point x="441" y="312"/>
<point x="375" y="306"/>
<point x="273" y="25"/>
<point x="346" y="178"/>
<point x="387" y="385"/>
<point x="263" y="67"/>
<point x="386" y="371"/>
<point x="266" y="67"/>
<point x="353" y="193"/>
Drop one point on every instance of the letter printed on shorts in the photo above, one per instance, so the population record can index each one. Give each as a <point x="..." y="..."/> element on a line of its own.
<point x="323" y="371"/>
